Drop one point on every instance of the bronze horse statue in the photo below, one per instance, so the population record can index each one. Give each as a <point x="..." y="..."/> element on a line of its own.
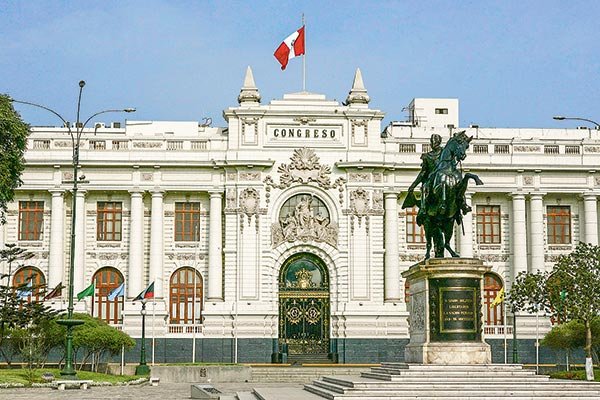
<point x="444" y="196"/>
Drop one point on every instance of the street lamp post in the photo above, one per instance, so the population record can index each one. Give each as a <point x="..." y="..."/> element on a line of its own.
<point x="68" y="371"/>
<point x="143" y="369"/>
<point x="561" y="118"/>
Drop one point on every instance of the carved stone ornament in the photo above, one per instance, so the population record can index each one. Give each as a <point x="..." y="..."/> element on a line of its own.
<point x="359" y="202"/>
<point x="230" y="199"/>
<point x="305" y="167"/>
<point x="528" y="180"/>
<point x="302" y="225"/>
<point x="249" y="176"/>
<point x="62" y="143"/>
<point x="378" y="200"/>
<point x="417" y="315"/>
<point x="249" y="203"/>
<point x="526" y="149"/>
<point x="147" y="145"/>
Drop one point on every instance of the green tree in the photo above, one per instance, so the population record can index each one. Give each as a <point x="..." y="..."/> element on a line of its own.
<point x="95" y="339"/>
<point x="13" y="140"/>
<point x="571" y="335"/>
<point x="570" y="293"/>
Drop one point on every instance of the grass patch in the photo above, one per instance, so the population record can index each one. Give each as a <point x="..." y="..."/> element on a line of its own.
<point x="21" y="376"/>
<point x="576" y="375"/>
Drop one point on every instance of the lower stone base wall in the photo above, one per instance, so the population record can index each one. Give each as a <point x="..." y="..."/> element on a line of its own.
<point x="350" y="351"/>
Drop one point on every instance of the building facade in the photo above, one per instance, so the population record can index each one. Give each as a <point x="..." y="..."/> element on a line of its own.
<point x="283" y="232"/>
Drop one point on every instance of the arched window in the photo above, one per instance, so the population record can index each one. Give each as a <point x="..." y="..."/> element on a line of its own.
<point x="23" y="277"/>
<point x="492" y="284"/>
<point x="107" y="279"/>
<point x="185" y="303"/>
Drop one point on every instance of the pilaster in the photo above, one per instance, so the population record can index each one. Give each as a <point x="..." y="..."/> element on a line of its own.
<point x="392" y="265"/>
<point x="155" y="273"/>
<point x="136" y="239"/>
<point x="466" y="240"/>
<point x="215" y="248"/>
<point x="590" y="208"/>
<point x="57" y="226"/>
<point x="536" y="232"/>
<point x="519" y="234"/>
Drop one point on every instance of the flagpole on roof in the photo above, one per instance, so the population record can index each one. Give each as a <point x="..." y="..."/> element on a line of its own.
<point x="304" y="59"/>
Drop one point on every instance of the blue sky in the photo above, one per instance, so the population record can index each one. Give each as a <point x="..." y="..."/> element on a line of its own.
<point x="510" y="63"/>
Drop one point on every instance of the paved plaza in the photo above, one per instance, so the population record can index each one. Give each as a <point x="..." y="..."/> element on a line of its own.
<point x="167" y="391"/>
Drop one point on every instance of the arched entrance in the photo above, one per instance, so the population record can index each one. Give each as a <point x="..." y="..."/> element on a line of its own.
<point x="304" y="307"/>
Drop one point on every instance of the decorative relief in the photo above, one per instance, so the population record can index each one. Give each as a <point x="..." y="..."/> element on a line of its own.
<point x="567" y="247"/>
<point x="597" y="180"/>
<point x="526" y="149"/>
<point x="230" y="199"/>
<point x="147" y="176"/>
<point x="231" y="176"/>
<point x="249" y="176"/>
<point x="304" y="120"/>
<point x="528" y="180"/>
<point x="377" y="178"/>
<point x="304" y="168"/>
<point x="62" y="144"/>
<point x="359" y="177"/>
<point x="183" y="256"/>
<point x="169" y="214"/>
<point x="410" y="257"/>
<point x="100" y="244"/>
<point x="146" y="145"/>
<point x="303" y="225"/>
<point x="417" y="314"/>
<point x="494" y="257"/>
<point x="378" y="200"/>
<point x="249" y="205"/>
<point x="67" y="176"/>
<point x="591" y="149"/>
<point x="359" y="207"/>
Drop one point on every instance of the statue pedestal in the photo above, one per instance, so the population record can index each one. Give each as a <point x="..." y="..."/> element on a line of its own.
<point x="445" y="312"/>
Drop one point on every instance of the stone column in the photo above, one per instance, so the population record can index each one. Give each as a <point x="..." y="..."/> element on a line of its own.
<point x="519" y="235"/>
<point x="156" y="244"/>
<point x="79" y="280"/>
<point x="590" y="219"/>
<point x="392" y="267"/>
<point x="215" y="248"/>
<point x="536" y="232"/>
<point x="57" y="234"/>
<point x="466" y="240"/>
<point x="136" y="241"/>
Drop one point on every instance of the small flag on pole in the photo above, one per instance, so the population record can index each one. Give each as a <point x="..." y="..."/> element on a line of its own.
<point x="499" y="299"/>
<point x="117" y="292"/>
<point x="88" y="291"/>
<point x="147" y="293"/>
<point x="25" y="290"/>
<point x="292" y="46"/>
<point x="56" y="292"/>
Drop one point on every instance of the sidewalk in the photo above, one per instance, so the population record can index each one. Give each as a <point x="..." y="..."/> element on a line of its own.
<point x="167" y="391"/>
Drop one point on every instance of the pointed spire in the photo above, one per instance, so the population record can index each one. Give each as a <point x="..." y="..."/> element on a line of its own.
<point x="249" y="94"/>
<point x="358" y="94"/>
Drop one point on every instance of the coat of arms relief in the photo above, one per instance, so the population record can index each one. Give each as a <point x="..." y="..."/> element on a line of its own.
<point x="306" y="218"/>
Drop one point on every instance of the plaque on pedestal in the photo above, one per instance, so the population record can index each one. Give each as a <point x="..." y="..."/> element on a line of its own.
<point x="445" y="312"/>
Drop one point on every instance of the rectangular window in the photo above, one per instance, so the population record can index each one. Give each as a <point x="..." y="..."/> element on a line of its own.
<point x="441" y="111"/>
<point x="488" y="224"/>
<point x="414" y="233"/>
<point x="187" y="222"/>
<point x="31" y="219"/>
<point x="559" y="224"/>
<point x="109" y="220"/>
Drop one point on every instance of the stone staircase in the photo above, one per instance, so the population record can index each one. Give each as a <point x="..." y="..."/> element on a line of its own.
<point x="398" y="381"/>
<point x="301" y="374"/>
<point x="393" y="381"/>
<point x="316" y="358"/>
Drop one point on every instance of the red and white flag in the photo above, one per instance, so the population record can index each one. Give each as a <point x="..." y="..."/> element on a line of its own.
<point x="292" y="46"/>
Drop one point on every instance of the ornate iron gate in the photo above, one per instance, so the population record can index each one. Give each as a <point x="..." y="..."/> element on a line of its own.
<point x="304" y="305"/>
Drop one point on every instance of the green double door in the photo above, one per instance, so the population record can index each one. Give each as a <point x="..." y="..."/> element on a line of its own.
<point x="304" y="305"/>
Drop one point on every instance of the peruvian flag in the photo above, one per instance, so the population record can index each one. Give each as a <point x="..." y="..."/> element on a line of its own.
<point x="292" y="46"/>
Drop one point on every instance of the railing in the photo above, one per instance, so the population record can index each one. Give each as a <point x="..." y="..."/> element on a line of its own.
<point x="41" y="144"/>
<point x="480" y="148"/>
<point x="118" y="327"/>
<point x="174" y="144"/>
<point x="497" y="330"/>
<point x="185" y="329"/>
<point x="407" y="148"/>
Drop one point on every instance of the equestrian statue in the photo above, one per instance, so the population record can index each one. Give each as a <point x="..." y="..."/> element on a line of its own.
<point x="443" y="185"/>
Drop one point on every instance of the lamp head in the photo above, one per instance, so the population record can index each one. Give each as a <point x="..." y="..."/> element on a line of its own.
<point x="129" y="110"/>
<point x="81" y="84"/>
<point x="558" y="117"/>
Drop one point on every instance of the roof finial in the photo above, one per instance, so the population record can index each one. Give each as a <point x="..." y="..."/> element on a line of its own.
<point x="358" y="94"/>
<point x="249" y="94"/>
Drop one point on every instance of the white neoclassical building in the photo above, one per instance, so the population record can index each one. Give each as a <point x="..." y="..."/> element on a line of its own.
<point x="282" y="232"/>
